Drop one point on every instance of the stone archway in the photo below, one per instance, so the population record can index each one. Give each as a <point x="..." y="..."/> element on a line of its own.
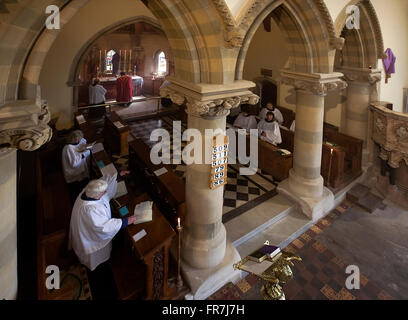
<point x="73" y="77"/>
<point x="308" y="29"/>
<point x="358" y="61"/>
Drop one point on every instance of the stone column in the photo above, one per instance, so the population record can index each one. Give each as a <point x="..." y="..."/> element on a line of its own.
<point x="23" y="125"/>
<point x="305" y="184"/>
<point x="8" y="224"/>
<point x="207" y="256"/>
<point x="361" y="92"/>
<point x="204" y="240"/>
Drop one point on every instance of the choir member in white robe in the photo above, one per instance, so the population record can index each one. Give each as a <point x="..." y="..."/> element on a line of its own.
<point x="270" y="108"/>
<point x="245" y="121"/>
<point x="75" y="163"/>
<point x="96" y="93"/>
<point x="269" y="130"/>
<point x="92" y="227"/>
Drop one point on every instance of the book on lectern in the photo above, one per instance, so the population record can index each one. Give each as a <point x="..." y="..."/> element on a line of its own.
<point x="267" y="251"/>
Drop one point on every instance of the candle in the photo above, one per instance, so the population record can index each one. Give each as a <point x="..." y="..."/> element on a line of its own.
<point x="179" y="225"/>
<point x="125" y="64"/>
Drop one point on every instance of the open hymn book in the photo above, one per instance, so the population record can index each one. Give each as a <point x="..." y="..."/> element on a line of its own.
<point x="144" y="212"/>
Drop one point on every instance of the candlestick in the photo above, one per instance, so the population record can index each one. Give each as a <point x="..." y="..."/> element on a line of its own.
<point x="130" y="61"/>
<point x="125" y="64"/>
<point x="179" y="279"/>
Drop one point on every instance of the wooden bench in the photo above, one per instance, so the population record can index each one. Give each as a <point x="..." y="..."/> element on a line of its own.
<point x="167" y="190"/>
<point x="332" y="168"/>
<point x="271" y="160"/>
<point x="353" y="148"/>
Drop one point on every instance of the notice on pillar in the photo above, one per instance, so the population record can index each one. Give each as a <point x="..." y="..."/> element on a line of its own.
<point x="219" y="164"/>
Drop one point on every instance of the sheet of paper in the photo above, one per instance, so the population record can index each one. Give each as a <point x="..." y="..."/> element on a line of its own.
<point x="109" y="170"/>
<point x="122" y="161"/>
<point x="97" y="148"/>
<point x="139" y="235"/>
<point x="160" y="172"/>
<point x="81" y="119"/>
<point x="121" y="190"/>
<point x="118" y="125"/>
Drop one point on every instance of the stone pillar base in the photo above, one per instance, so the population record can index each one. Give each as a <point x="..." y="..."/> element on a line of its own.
<point x="313" y="208"/>
<point x="205" y="282"/>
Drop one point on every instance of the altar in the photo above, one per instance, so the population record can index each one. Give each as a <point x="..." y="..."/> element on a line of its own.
<point x="109" y="83"/>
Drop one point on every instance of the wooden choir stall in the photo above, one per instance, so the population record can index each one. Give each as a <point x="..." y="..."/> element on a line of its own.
<point x="140" y="265"/>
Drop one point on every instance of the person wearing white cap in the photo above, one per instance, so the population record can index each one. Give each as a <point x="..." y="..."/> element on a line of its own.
<point x="92" y="227"/>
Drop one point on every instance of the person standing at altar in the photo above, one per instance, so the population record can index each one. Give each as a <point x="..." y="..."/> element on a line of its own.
<point x="124" y="88"/>
<point x="96" y="93"/>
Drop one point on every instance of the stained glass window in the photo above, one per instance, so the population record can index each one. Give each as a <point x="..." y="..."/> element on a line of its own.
<point x="162" y="64"/>
<point x="109" y="62"/>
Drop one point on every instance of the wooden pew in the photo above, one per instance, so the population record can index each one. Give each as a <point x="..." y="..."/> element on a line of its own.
<point x="353" y="148"/>
<point x="167" y="190"/>
<point x="331" y="164"/>
<point x="271" y="160"/>
<point x="116" y="133"/>
<point x="332" y="169"/>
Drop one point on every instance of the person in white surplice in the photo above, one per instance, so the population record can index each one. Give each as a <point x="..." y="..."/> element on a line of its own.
<point x="75" y="163"/>
<point x="271" y="108"/>
<point x="96" y="92"/>
<point x="245" y="121"/>
<point x="269" y="130"/>
<point x="92" y="227"/>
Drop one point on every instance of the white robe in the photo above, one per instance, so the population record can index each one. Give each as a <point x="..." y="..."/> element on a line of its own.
<point x="92" y="228"/>
<point x="278" y="115"/>
<point x="246" y="123"/>
<point x="272" y="132"/>
<point x="74" y="166"/>
<point x="97" y="94"/>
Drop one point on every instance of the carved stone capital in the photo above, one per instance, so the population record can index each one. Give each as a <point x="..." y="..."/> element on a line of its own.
<point x="318" y="84"/>
<point x="360" y="75"/>
<point x="209" y="100"/>
<point x="218" y="108"/>
<point x="23" y="125"/>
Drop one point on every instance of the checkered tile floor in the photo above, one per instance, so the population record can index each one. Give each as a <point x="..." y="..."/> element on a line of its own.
<point x="239" y="190"/>
<point x="320" y="276"/>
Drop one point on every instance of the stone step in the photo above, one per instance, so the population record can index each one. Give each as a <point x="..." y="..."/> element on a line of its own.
<point x="361" y="196"/>
<point x="358" y="192"/>
<point x="257" y="219"/>
<point x="281" y="233"/>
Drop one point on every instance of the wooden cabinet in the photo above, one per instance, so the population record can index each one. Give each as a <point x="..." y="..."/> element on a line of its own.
<point x="116" y="134"/>
<point x="152" y="86"/>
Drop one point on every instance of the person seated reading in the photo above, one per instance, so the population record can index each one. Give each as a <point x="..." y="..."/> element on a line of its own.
<point x="271" y="108"/>
<point x="92" y="227"/>
<point x="245" y="121"/>
<point x="269" y="130"/>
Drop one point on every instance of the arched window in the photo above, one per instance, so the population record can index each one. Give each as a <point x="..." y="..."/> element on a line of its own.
<point x="109" y="61"/>
<point x="161" y="64"/>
